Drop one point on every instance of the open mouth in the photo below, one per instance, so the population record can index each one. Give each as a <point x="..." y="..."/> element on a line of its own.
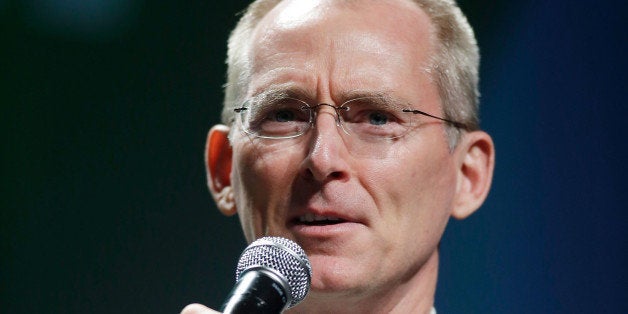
<point x="317" y="220"/>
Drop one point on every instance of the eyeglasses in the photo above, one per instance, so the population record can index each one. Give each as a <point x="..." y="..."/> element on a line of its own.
<point x="367" y="118"/>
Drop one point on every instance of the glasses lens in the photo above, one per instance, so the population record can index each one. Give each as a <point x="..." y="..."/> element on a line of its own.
<point x="375" y="118"/>
<point x="278" y="118"/>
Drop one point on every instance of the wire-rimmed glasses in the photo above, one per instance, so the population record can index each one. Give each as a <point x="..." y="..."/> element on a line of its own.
<point x="369" y="118"/>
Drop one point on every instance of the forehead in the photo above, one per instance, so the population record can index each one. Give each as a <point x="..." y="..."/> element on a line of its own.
<point x="295" y="13"/>
<point x="357" y="36"/>
<point x="400" y="20"/>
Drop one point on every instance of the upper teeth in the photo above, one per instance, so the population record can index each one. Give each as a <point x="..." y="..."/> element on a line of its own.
<point x="311" y="217"/>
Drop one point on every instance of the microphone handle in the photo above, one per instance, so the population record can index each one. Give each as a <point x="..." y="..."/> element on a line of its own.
<point x="257" y="291"/>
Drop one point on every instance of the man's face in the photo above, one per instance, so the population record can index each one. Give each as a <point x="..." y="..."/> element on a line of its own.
<point x="388" y="210"/>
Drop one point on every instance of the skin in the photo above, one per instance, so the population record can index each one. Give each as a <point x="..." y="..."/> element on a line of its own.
<point x="395" y="205"/>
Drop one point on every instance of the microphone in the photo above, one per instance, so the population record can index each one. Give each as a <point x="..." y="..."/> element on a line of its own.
<point x="273" y="274"/>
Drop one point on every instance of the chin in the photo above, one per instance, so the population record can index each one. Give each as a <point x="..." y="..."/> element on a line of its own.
<point x="332" y="275"/>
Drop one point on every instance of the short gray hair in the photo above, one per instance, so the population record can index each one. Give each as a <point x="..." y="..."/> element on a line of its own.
<point x="454" y="64"/>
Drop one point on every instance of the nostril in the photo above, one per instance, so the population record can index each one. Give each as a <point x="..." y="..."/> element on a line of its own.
<point x="336" y="175"/>
<point x="308" y="174"/>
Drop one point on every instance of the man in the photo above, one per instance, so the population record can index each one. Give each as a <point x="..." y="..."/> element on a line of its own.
<point x="352" y="130"/>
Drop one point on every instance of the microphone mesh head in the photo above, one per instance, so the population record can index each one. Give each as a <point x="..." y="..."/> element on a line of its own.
<point x="285" y="257"/>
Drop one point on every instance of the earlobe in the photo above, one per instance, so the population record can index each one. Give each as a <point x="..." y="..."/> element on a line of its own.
<point x="218" y="154"/>
<point x="225" y="202"/>
<point x="475" y="172"/>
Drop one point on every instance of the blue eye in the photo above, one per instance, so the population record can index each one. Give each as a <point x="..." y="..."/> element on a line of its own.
<point x="377" y="118"/>
<point x="284" y="116"/>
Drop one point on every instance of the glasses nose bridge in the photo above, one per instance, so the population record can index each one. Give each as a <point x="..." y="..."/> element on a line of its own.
<point x="315" y="111"/>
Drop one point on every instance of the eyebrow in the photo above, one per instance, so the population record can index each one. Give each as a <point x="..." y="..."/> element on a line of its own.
<point x="282" y="91"/>
<point x="288" y="90"/>
<point x="384" y="98"/>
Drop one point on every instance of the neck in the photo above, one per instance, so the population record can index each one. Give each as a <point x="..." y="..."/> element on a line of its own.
<point x="415" y="295"/>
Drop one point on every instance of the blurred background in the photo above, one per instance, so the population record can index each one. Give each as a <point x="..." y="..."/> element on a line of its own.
<point x="105" y="105"/>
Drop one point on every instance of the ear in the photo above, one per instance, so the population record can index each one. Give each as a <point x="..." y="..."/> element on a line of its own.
<point x="475" y="160"/>
<point x="218" y="154"/>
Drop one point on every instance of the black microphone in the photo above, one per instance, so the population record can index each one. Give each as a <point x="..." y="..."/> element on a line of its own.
<point x="273" y="274"/>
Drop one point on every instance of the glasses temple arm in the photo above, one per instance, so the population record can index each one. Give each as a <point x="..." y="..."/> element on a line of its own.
<point x="454" y="123"/>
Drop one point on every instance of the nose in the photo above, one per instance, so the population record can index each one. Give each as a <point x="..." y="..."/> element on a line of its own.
<point x="327" y="154"/>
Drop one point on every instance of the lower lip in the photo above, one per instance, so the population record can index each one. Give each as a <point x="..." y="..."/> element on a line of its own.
<point x="325" y="231"/>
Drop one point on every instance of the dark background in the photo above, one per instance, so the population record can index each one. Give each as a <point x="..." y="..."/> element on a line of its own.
<point x="104" y="110"/>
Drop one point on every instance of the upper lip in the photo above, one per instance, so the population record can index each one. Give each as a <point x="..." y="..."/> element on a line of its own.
<point x="312" y="214"/>
<point x="312" y="202"/>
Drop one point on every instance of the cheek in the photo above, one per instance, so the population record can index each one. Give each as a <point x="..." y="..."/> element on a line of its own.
<point x="416" y="188"/>
<point x="263" y="173"/>
<point x="422" y="209"/>
<point x="262" y="182"/>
